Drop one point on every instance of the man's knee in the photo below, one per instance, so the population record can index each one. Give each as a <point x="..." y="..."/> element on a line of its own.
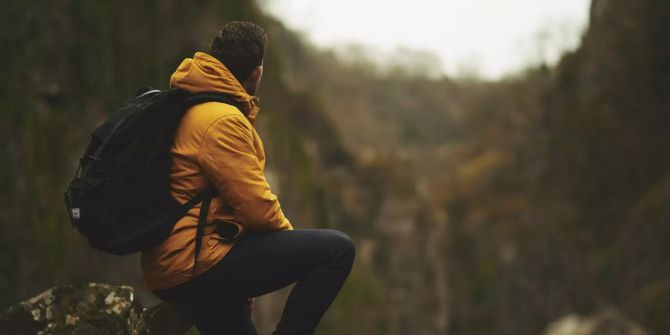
<point x="343" y="245"/>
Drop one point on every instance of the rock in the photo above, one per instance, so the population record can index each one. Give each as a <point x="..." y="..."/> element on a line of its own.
<point x="98" y="309"/>
<point x="608" y="322"/>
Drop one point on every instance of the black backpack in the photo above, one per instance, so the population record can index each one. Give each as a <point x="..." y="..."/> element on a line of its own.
<point x="120" y="198"/>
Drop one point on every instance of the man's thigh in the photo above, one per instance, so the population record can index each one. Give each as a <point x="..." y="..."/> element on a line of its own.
<point x="261" y="263"/>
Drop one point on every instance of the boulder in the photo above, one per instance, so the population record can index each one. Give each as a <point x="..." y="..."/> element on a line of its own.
<point x="607" y="322"/>
<point x="93" y="308"/>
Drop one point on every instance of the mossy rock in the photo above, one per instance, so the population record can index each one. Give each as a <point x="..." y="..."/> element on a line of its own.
<point x="98" y="309"/>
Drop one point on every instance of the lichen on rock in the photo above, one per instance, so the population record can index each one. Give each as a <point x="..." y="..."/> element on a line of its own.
<point x="93" y="308"/>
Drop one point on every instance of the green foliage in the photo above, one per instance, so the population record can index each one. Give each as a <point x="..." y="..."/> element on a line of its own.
<point x="361" y="306"/>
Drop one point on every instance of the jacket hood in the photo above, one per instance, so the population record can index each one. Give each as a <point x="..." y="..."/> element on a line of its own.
<point x="205" y="73"/>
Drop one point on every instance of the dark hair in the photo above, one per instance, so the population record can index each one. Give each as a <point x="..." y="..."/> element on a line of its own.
<point x="240" y="46"/>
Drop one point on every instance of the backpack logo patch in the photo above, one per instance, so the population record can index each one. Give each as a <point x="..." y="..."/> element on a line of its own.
<point x="76" y="213"/>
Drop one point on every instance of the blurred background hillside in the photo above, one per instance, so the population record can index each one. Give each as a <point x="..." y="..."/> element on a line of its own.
<point x="479" y="206"/>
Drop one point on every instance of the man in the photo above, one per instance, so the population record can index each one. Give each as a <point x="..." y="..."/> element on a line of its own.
<point x="217" y="145"/>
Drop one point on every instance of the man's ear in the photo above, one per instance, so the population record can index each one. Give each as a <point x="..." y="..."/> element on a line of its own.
<point x="256" y="74"/>
<point x="254" y="79"/>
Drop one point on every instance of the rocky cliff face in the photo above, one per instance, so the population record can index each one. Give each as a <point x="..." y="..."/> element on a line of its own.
<point x="607" y="119"/>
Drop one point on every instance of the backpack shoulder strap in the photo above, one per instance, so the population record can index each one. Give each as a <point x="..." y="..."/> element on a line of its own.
<point x="204" y="197"/>
<point x="199" y="98"/>
<point x="202" y="221"/>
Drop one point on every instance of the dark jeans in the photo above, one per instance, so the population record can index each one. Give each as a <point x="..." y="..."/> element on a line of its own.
<point x="319" y="260"/>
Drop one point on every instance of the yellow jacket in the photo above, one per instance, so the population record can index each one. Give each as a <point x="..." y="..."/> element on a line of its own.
<point x="215" y="144"/>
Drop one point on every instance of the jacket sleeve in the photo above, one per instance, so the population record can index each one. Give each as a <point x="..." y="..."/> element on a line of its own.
<point x="228" y="159"/>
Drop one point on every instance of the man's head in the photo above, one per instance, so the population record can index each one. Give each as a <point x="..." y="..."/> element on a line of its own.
<point x="240" y="46"/>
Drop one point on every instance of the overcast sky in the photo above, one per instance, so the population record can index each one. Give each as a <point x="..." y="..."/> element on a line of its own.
<point x="489" y="37"/>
